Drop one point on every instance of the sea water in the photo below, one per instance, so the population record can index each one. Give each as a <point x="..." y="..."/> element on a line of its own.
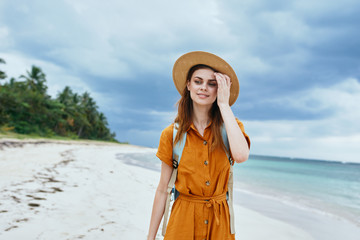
<point x="324" y="186"/>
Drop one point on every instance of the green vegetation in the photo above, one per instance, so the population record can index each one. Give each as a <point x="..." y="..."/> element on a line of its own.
<point x="25" y="108"/>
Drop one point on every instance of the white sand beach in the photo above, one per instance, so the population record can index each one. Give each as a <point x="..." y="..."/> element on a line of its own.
<point x="54" y="189"/>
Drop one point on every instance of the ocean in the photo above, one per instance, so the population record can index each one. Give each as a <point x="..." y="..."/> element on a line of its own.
<point x="325" y="187"/>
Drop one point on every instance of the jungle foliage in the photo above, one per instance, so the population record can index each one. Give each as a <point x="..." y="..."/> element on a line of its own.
<point x="25" y="107"/>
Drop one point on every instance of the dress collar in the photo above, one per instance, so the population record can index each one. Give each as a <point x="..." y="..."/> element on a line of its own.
<point x="194" y="128"/>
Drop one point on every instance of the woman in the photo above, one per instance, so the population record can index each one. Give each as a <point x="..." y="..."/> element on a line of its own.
<point x="208" y="87"/>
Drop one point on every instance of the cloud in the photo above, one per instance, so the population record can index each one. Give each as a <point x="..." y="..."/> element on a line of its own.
<point x="128" y="40"/>
<point x="289" y="139"/>
<point x="298" y="43"/>
<point x="57" y="77"/>
<point x="297" y="61"/>
<point x="335" y="137"/>
<point x="4" y="37"/>
<point x="17" y="64"/>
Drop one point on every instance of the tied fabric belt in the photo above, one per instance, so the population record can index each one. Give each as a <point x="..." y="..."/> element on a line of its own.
<point x="213" y="202"/>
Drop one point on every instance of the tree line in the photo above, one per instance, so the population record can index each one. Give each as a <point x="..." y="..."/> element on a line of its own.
<point x="25" y="107"/>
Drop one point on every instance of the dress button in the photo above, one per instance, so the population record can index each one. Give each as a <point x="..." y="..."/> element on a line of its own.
<point x="207" y="183"/>
<point x="206" y="221"/>
<point x="205" y="142"/>
<point x="206" y="162"/>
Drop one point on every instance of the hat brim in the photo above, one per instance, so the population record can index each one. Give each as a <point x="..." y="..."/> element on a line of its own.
<point x="188" y="60"/>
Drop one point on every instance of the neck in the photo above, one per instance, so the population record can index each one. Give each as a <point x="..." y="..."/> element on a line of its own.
<point x="201" y="115"/>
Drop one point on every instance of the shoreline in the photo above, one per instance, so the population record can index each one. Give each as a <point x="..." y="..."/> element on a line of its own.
<point x="82" y="190"/>
<point x="320" y="225"/>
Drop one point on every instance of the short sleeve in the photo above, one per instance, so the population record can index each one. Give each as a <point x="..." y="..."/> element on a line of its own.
<point x="164" y="152"/>
<point x="241" y="125"/>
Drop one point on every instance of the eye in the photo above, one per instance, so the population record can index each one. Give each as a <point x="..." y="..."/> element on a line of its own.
<point x="212" y="84"/>
<point x="197" y="81"/>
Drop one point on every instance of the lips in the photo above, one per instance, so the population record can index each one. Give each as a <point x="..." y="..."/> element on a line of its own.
<point x="201" y="95"/>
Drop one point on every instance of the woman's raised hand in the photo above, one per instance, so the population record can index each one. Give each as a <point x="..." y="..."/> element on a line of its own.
<point x="223" y="91"/>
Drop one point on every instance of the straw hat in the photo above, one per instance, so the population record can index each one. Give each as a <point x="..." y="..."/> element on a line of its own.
<point x="188" y="60"/>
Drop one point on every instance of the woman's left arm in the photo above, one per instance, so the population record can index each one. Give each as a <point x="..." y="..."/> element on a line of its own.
<point x="238" y="145"/>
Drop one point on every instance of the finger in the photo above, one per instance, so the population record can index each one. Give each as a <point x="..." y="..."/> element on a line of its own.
<point x="217" y="78"/>
<point x="223" y="82"/>
<point x="228" y="80"/>
<point x="221" y="78"/>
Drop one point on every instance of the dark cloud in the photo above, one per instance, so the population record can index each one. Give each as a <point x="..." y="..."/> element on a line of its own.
<point x="280" y="49"/>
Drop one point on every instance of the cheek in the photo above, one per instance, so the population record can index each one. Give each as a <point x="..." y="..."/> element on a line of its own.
<point x="213" y="90"/>
<point x="191" y="91"/>
<point x="191" y="86"/>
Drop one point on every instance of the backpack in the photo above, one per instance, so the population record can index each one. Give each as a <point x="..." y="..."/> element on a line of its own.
<point x="173" y="193"/>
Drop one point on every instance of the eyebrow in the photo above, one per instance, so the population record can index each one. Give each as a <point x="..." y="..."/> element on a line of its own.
<point x="210" y="80"/>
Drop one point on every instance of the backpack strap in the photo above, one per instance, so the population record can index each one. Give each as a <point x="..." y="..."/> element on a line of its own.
<point x="231" y="180"/>
<point x="179" y="146"/>
<point x="177" y="152"/>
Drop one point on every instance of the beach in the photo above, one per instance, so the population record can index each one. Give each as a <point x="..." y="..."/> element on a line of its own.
<point x="52" y="189"/>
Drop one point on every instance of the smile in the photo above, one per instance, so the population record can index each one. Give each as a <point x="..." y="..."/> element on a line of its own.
<point x="201" y="95"/>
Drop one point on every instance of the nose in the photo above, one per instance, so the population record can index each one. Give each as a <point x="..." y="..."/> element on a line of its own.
<point x="203" y="87"/>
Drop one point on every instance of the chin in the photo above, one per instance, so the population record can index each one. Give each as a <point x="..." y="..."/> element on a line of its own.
<point x="204" y="102"/>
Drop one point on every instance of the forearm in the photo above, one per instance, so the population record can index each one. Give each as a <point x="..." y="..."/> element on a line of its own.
<point x="237" y="142"/>
<point x="157" y="212"/>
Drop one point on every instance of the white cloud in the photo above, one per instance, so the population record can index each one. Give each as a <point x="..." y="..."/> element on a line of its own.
<point x="57" y="77"/>
<point x="333" y="138"/>
<point x="93" y="62"/>
<point x="164" y="117"/>
<point x="122" y="39"/>
<point x="5" y="41"/>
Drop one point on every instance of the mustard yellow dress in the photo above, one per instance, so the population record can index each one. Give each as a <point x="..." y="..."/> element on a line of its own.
<point x="202" y="174"/>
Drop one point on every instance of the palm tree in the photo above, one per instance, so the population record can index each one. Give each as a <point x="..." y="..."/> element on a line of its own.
<point x="88" y="110"/>
<point x="65" y="97"/>
<point x="101" y="129"/>
<point x="71" y="113"/>
<point x="2" y="74"/>
<point x="36" y="80"/>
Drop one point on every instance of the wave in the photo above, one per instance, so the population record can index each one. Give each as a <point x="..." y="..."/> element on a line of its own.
<point x="293" y="159"/>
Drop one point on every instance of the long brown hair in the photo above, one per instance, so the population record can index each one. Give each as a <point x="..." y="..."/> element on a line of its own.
<point x="185" y="113"/>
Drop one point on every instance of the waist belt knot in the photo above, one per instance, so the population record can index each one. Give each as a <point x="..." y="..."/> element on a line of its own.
<point x="215" y="205"/>
<point x="209" y="202"/>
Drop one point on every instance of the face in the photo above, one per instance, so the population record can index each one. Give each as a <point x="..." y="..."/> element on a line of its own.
<point x="203" y="87"/>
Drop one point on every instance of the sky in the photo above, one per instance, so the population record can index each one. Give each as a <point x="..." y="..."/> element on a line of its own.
<point x="298" y="64"/>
